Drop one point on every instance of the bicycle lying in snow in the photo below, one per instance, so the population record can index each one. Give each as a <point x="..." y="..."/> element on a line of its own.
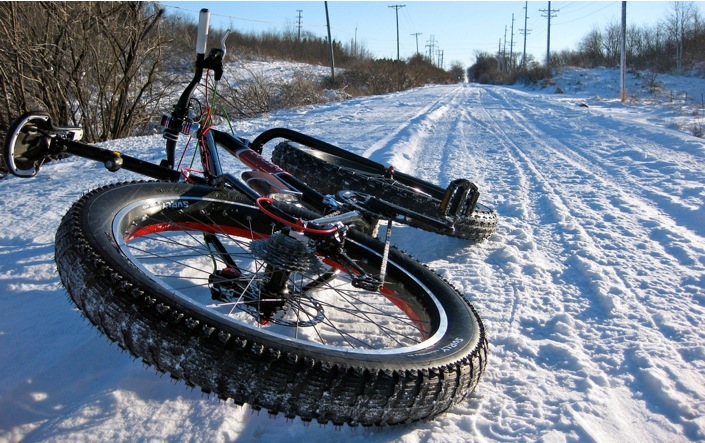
<point x="269" y="288"/>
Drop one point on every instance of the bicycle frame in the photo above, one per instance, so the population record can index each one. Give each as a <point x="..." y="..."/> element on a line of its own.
<point x="458" y="199"/>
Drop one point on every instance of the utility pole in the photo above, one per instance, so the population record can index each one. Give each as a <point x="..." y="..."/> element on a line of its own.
<point x="431" y="47"/>
<point x="526" y="18"/>
<point x="511" y="47"/>
<point x="504" y="50"/>
<point x="549" y="13"/>
<point x="299" y="18"/>
<point x="499" y="55"/>
<point x="330" y="44"/>
<point x="355" y="43"/>
<point x="396" y="10"/>
<point x="623" y="61"/>
<point x="416" y="34"/>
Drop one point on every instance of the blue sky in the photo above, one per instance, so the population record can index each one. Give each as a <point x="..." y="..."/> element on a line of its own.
<point x="458" y="28"/>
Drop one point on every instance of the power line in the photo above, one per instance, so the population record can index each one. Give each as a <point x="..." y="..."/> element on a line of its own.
<point x="581" y="8"/>
<point x="219" y="15"/>
<point x="588" y="15"/>
<point x="234" y="17"/>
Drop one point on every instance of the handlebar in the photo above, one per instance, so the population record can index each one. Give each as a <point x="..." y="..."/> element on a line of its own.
<point x="204" y="19"/>
<point x="214" y="61"/>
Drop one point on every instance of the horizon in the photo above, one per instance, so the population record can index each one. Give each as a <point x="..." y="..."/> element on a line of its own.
<point x="460" y="29"/>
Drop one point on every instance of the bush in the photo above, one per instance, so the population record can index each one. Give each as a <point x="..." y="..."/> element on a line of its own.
<point x="90" y="63"/>
<point x="114" y="67"/>
<point x="533" y="75"/>
<point x="301" y="90"/>
<point x="486" y="70"/>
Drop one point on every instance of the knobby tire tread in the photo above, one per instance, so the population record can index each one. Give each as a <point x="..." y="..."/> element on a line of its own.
<point x="191" y="347"/>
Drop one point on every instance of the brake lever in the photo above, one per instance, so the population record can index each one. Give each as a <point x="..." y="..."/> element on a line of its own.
<point x="222" y="43"/>
<point x="214" y="60"/>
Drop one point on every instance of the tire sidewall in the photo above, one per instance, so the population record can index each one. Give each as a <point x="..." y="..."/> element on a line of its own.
<point x="464" y="334"/>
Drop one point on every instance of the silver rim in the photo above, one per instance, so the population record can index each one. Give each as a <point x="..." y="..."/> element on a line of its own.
<point x="322" y="309"/>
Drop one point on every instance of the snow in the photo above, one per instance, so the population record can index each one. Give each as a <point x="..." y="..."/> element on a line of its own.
<point x="273" y="71"/>
<point x="592" y="289"/>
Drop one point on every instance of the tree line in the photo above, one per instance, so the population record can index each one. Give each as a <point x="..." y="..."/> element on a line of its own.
<point x="676" y="44"/>
<point x="114" y="67"/>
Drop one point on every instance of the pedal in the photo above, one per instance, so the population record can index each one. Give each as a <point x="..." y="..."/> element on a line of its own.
<point x="460" y="198"/>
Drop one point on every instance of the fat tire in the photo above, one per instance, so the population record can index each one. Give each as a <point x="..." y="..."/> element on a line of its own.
<point x="198" y="346"/>
<point x="329" y="174"/>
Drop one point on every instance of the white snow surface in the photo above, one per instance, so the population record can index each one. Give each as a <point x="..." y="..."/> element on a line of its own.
<point x="592" y="289"/>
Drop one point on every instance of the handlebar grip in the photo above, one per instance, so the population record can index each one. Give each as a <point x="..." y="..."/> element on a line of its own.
<point x="203" y="25"/>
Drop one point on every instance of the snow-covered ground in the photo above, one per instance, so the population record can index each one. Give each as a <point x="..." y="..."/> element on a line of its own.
<point x="273" y="71"/>
<point x="592" y="289"/>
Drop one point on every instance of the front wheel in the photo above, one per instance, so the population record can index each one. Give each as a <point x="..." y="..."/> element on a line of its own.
<point x="202" y="285"/>
<point x="329" y="173"/>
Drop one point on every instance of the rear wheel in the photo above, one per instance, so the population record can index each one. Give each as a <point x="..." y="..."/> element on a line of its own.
<point x="202" y="285"/>
<point x="329" y="174"/>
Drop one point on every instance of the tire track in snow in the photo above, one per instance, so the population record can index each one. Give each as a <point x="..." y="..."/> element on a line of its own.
<point x="510" y="279"/>
<point x="400" y="147"/>
<point x="619" y="157"/>
<point x="544" y="337"/>
<point x="651" y="366"/>
<point x="540" y="323"/>
<point x="638" y="219"/>
<point x="546" y="328"/>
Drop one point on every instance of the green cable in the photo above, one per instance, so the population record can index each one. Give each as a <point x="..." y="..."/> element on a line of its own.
<point x="221" y="107"/>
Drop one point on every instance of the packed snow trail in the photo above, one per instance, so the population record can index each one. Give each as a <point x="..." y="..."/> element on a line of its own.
<point x="592" y="289"/>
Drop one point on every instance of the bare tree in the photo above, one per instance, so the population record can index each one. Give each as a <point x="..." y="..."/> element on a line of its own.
<point x="457" y="71"/>
<point x="87" y="63"/>
<point x="680" y="21"/>
<point x="611" y="42"/>
<point x="591" y="48"/>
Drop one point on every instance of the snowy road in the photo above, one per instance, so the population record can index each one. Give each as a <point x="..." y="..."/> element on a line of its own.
<point x="592" y="289"/>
